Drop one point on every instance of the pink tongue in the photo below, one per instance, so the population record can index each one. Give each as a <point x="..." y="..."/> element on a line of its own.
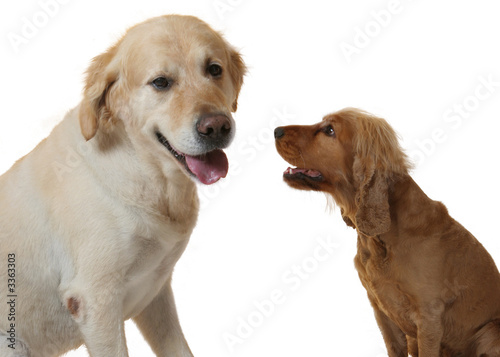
<point x="209" y="168"/>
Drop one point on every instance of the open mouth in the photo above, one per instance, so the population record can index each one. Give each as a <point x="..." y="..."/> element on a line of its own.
<point x="208" y="168"/>
<point x="302" y="174"/>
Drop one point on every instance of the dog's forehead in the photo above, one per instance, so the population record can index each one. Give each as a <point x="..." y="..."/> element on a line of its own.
<point x="184" y="35"/>
<point x="168" y="47"/>
<point x="332" y="119"/>
<point x="328" y="118"/>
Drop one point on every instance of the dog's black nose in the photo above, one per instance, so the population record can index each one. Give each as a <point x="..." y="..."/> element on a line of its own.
<point x="215" y="130"/>
<point x="214" y="126"/>
<point x="279" y="132"/>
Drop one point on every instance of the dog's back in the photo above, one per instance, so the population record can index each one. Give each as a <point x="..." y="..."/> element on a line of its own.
<point x="37" y="258"/>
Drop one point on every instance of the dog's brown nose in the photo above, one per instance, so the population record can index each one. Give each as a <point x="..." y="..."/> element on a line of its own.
<point x="215" y="129"/>
<point x="279" y="132"/>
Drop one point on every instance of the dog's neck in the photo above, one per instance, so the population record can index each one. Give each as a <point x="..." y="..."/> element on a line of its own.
<point x="412" y="210"/>
<point x="344" y="196"/>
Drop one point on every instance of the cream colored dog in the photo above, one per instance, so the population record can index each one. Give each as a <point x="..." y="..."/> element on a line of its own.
<point x="94" y="219"/>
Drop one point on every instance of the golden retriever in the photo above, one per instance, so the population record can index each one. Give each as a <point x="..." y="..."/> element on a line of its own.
<point x="94" y="219"/>
<point x="434" y="288"/>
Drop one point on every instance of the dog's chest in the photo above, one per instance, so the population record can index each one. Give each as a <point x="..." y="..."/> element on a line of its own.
<point x="377" y="272"/>
<point x="151" y="269"/>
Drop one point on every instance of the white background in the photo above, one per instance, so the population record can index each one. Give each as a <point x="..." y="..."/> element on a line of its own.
<point x="417" y="67"/>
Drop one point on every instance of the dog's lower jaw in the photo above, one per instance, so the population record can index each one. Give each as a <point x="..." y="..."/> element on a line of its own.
<point x="208" y="167"/>
<point x="304" y="185"/>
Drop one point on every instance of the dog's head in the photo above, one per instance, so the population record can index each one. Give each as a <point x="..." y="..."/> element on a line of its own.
<point x="351" y="155"/>
<point x="171" y="83"/>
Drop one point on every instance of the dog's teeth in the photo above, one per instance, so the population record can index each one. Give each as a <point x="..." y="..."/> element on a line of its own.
<point x="290" y="171"/>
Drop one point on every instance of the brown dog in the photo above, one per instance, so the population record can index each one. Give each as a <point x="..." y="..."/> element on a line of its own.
<point x="434" y="288"/>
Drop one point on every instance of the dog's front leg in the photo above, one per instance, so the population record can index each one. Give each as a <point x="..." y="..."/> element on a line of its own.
<point x="99" y="315"/>
<point x="160" y="326"/>
<point x="429" y="339"/>
<point x="430" y="329"/>
<point x="429" y="342"/>
<point x="394" y="338"/>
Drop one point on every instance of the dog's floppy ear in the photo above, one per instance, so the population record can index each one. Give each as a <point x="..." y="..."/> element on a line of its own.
<point x="94" y="109"/>
<point x="372" y="199"/>
<point x="237" y="70"/>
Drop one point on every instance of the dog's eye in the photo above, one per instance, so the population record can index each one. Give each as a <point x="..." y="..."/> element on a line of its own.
<point x="329" y="131"/>
<point x="215" y="70"/>
<point x="161" y="83"/>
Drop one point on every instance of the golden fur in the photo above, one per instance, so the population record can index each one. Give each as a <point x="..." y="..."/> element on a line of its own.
<point x="98" y="214"/>
<point x="434" y="288"/>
